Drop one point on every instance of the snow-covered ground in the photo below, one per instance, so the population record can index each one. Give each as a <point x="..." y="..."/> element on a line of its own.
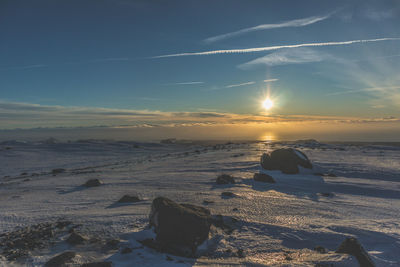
<point x="275" y="224"/>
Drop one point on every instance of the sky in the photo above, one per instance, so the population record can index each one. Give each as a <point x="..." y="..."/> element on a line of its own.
<point x="137" y="64"/>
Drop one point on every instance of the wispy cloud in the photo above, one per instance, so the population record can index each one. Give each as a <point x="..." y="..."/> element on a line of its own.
<point x="185" y="83"/>
<point x="270" y="80"/>
<point x="271" y="48"/>
<point x="371" y="89"/>
<point x="36" y="66"/>
<point x="240" y="84"/>
<point x="291" y="23"/>
<point x="288" y="56"/>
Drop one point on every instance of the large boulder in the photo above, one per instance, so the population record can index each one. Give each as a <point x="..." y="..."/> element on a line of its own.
<point x="286" y="160"/>
<point x="180" y="228"/>
<point x="351" y="246"/>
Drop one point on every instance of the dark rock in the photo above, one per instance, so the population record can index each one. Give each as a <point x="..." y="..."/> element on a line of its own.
<point x="129" y="199"/>
<point x="98" y="264"/>
<point x="112" y="244"/>
<point x="62" y="224"/>
<point x="225" y="179"/>
<point x="206" y="202"/>
<point x="326" y="194"/>
<point x="180" y="228"/>
<point x="320" y="249"/>
<point x="262" y="177"/>
<point x="235" y="209"/>
<point x="351" y="246"/>
<point x="126" y="250"/>
<point x="218" y="221"/>
<point x="76" y="239"/>
<point x="57" y="171"/>
<point x="61" y="259"/>
<point x="228" y="194"/>
<point x="24" y="173"/>
<point x="240" y="253"/>
<point x="168" y="258"/>
<point x="286" y="160"/>
<point x="330" y="175"/>
<point x="92" y="183"/>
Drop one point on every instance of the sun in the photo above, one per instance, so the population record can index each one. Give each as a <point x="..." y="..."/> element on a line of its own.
<point x="268" y="104"/>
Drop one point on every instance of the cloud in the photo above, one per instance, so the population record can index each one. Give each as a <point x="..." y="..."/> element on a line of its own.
<point x="25" y="115"/>
<point x="239" y="84"/>
<point x="378" y="15"/>
<point x="185" y="83"/>
<point x="288" y="56"/>
<point x="271" y="48"/>
<point x="270" y="80"/>
<point x="36" y="66"/>
<point x="291" y="23"/>
<point x="371" y="89"/>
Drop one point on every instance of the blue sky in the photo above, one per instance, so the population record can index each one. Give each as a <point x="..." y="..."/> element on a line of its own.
<point x="113" y="56"/>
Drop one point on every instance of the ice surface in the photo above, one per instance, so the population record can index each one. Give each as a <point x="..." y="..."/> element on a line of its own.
<point x="278" y="224"/>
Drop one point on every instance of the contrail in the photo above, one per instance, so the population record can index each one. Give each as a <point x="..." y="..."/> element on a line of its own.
<point x="270" y="48"/>
<point x="290" y="23"/>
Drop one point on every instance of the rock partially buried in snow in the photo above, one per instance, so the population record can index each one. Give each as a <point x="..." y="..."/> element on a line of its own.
<point x="180" y="228"/>
<point x="262" y="177"/>
<point x="93" y="183"/>
<point x="225" y="179"/>
<point x="228" y="194"/>
<point x="129" y="199"/>
<point x="351" y="246"/>
<point x="76" y="239"/>
<point x="286" y="160"/>
<point x="61" y="259"/>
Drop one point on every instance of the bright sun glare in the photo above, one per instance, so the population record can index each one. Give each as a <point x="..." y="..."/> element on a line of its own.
<point x="268" y="104"/>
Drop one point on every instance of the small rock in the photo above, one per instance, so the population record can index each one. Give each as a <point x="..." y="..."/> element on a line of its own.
<point x="61" y="259"/>
<point x="62" y="224"/>
<point x="330" y="175"/>
<point x="235" y="209"/>
<point x="262" y="177"/>
<point x="168" y="258"/>
<point x="129" y="199"/>
<point x="240" y="253"/>
<point x="76" y="239"/>
<point x="92" y="183"/>
<point x="57" y="171"/>
<point x="126" y="250"/>
<point x="228" y="194"/>
<point x="206" y="202"/>
<point x="326" y="194"/>
<point x="112" y="244"/>
<point x="351" y="246"/>
<point x="225" y="179"/>
<point x="320" y="249"/>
